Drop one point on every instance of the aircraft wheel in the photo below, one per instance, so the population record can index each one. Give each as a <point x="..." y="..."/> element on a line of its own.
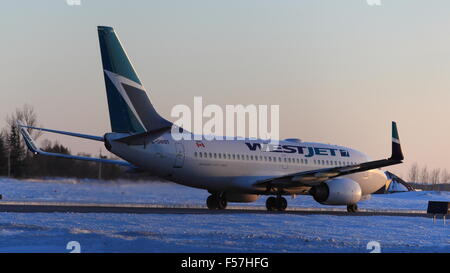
<point x="271" y="203"/>
<point x="281" y="203"/>
<point x="222" y="204"/>
<point x="352" y="208"/>
<point x="211" y="202"/>
<point x="216" y="201"/>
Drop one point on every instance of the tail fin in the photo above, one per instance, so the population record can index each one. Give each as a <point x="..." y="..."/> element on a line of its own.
<point x="130" y="110"/>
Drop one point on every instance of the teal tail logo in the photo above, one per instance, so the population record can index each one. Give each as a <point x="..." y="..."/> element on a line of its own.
<point x="130" y="109"/>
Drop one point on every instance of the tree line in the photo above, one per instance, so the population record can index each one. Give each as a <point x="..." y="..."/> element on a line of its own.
<point x="17" y="161"/>
<point x="422" y="175"/>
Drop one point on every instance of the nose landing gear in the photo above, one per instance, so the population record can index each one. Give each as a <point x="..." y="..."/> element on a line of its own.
<point x="216" y="201"/>
<point x="276" y="203"/>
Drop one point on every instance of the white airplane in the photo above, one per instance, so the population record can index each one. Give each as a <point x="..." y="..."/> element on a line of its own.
<point x="231" y="170"/>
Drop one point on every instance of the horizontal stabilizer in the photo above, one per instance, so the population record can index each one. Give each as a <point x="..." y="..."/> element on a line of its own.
<point x="36" y="150"/>
<point x="96" y="138"/>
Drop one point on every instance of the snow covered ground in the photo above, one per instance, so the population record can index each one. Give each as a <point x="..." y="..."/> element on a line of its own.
<point x="50" y="232"/>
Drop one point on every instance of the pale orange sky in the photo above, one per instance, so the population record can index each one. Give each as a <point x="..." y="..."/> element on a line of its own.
<point x="340" y="70"/>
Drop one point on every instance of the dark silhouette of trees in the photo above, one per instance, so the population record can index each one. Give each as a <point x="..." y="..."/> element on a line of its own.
<point x="16" y="152"/>
<point x="25" y="164"/>
<point x="3" y="156"/>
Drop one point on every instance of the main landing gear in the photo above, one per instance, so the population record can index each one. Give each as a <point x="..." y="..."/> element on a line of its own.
<point x="352" y="208"/>
<point x="216" y="201"/>
<point x="276" y="203"/>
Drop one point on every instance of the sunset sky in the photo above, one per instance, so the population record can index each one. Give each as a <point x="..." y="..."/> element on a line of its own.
<point x="341" y="71"/>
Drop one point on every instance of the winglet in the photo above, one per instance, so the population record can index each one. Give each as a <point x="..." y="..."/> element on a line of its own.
<point x="396" y="147"/>
<point x="28" y="140"/>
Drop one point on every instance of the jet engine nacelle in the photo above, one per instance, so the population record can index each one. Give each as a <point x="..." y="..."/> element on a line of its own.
<point x="241" y="198"/>
<point x="338" y="191"/>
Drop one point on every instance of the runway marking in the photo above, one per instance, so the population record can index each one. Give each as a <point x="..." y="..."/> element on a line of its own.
<point x="55" y="207"/>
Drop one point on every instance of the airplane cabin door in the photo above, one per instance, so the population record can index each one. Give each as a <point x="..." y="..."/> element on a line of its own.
<point x="179" y="155"/>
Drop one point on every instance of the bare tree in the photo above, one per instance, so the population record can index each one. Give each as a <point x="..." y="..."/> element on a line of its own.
<point x="26" y="116"/>
<point x="435" y="177"/>
<point x="424" y="175"/>
<point x="445" y="176"/>
<point x="413" y="174"/>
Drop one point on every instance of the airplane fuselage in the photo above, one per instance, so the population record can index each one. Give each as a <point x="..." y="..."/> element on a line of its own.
<point x="236" y="165"/>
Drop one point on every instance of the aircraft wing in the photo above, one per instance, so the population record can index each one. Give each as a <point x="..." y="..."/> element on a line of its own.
<point x="36" y="150"/>
<point x="315" y="177"/>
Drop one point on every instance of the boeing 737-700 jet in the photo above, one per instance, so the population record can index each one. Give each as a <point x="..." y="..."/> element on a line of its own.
<point x="238" y="170"/>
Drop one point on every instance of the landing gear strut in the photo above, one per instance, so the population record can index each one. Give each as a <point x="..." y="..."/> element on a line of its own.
<point x="216" y="201"/>
<point x="352" y="208"/>
<point x="276" y="203"/>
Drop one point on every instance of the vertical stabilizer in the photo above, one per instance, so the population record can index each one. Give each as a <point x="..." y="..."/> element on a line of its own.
<point x="130" y="109"/>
